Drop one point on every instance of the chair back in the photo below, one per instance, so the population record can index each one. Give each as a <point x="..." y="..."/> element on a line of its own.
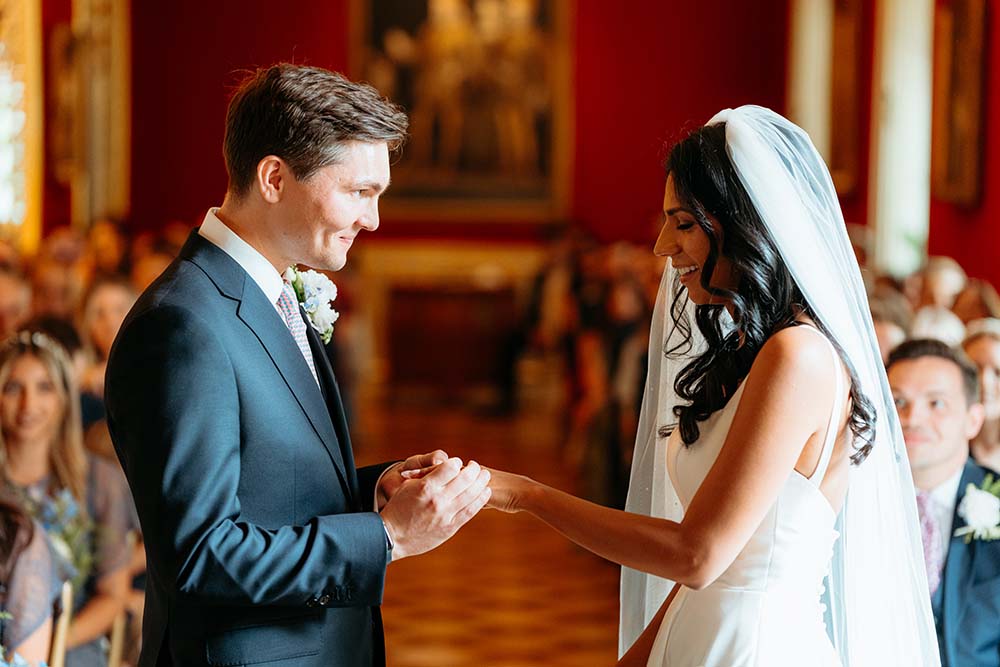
<point x="60" y="625"/>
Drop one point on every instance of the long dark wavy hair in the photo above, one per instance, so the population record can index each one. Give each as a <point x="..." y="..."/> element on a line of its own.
<point x="765" y="300"/>
<point x="16" y="531"/>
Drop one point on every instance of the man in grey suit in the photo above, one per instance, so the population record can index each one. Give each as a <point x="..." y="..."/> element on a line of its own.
<point x="265" y="544"/>
<point x="936" y="391"/>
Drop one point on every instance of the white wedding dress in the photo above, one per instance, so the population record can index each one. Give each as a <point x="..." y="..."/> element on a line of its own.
<point x="765" y="609"/>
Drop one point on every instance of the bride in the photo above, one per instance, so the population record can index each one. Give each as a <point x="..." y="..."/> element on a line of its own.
<point x="771" y="518"/>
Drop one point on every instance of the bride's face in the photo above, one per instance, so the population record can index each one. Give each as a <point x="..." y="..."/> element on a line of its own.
<point x="687" y="246"/>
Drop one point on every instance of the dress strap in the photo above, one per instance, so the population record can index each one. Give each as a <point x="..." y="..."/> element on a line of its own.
<point x="838" y="402"/>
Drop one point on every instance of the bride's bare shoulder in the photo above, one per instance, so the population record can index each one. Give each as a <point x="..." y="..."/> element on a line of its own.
<point x="800" y="351"/>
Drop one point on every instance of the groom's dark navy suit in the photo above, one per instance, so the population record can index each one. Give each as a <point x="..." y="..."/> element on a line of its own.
<point x="261" y="541"/>
<point x="967" y="603"/>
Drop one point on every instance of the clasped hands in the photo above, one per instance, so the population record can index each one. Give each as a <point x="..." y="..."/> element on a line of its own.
<point x="425" y="499"/>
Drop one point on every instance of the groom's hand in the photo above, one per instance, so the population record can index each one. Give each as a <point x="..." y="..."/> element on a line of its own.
<point x="394" y="477"/>
<point x="425" y="512"/>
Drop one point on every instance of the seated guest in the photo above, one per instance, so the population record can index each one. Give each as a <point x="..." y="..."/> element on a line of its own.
<point x="104" y="309"/>
<point x="29" y="585"/>
<point x="15" y="302"/>
<point x="890" y="327"/>
<point x="55" y="289"/>
<point x="936" y="392"/>
<point x="65" y="335"/>
<point x="982" y="345"/>
<point x="938" y="323"/>
<point x="81" y="500"/>
<point x="943" y="280"/>
<point x="978" y="300"/>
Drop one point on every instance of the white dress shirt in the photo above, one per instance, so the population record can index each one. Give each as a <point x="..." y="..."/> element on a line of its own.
<point x="943" y="499"/>
<point x="255" y="264"/>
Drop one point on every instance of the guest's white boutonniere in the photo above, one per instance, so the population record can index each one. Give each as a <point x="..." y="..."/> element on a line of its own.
<point x="315" y="292"/>
<point x="980" y="509"/>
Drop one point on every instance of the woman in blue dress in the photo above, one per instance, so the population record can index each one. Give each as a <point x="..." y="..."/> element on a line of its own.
<point x="81" y="501"/>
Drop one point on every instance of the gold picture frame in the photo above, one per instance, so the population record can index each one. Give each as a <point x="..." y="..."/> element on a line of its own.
<point x="957" y="116"/>
<point x="486" y="84"/>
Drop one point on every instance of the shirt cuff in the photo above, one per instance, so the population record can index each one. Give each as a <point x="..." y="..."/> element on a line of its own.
<point x="378" y="483"/>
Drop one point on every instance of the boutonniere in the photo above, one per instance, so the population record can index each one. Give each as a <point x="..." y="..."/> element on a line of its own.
<point x="980" y="509"/>
<point x="315" y="292"/>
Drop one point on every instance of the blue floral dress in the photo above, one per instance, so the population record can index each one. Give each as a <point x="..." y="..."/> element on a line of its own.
<point x="86" y="550"/>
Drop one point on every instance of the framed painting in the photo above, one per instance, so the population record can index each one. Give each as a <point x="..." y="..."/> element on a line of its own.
<point x="486" y="84"/>
<point x="957" y="116"/>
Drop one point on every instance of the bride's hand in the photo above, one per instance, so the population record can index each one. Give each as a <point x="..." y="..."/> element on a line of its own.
<point x="509" y="491"/>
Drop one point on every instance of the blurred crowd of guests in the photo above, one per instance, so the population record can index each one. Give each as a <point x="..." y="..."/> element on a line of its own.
<point x="591" y="304"/>
<point x="589" y="308"/>
<point x="66" y="513"/>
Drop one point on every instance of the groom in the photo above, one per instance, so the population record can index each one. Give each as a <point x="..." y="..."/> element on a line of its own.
<point x="264" y="543"/>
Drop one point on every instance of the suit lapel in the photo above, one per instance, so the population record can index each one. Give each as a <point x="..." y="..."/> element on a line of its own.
<point x="957" y="575"/>
<point x="263" y="320"/>
<point x="335" y="405"/>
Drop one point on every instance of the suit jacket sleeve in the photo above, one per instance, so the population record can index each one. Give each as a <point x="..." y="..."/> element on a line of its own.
<point x="368" y="477"/>
<point x="174" y="413"/>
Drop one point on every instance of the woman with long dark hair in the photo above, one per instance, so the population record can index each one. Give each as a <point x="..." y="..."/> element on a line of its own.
<point x="28" y="585"/>
<point x="771" y="518"/>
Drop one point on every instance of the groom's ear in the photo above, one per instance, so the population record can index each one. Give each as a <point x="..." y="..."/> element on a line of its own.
<point x="271" y="174"/>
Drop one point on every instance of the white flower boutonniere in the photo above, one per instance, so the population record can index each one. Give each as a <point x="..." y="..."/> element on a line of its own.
<point x="315" y="292"/>
<point x="980" y="509"/>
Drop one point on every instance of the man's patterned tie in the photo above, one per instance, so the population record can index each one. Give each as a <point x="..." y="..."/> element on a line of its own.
<point x="289" y="306"/>
<point x="930" y="531"/>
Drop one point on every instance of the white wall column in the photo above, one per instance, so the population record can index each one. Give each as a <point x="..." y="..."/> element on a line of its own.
<point x="899" y="178"/>
<point x="810" y="69"/>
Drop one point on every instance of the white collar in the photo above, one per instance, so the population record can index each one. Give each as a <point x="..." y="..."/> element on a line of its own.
<point x="255" y="264"/>
<point x="945" y="494"/>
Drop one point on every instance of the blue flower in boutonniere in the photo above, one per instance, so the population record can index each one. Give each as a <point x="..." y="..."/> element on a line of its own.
<point x="17" y="660"/>
<point x="980" y="509"/>
<point x="315" y="292"/>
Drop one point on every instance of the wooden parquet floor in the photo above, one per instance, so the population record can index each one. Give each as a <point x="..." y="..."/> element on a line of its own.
<point x="506" y="591"/>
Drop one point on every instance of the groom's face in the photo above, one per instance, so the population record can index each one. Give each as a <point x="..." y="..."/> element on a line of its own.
<point x="323" y="213"/>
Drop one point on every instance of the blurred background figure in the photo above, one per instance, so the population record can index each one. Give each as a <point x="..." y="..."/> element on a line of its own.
<point x="15" y="301"/>
<point x="939" y="323"/>
<point x="107" y="248"/>
<point x="942" y="280"/>
<point x="982" y="345"/>
<point x="56" y="288"/>
<point x="978" y="300"/>
<point x="104" y="309"/>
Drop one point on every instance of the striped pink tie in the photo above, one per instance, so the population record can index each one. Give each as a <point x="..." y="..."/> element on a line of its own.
<point x="289" y="306"/>
<point x="930" y="531"/>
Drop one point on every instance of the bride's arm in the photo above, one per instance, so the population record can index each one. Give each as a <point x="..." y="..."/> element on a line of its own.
<point x="786" y="400"/>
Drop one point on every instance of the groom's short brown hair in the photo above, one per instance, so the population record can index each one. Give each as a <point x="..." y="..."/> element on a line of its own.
<point x="302" y="115"/>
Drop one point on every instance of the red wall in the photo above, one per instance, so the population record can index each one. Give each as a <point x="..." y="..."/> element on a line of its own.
<point x="645" y="76"/>
<point x="972" y="236"/>
<point x="55" y="196"/>
<point x="641" y="75"/>
<point x="186" y="54"/>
